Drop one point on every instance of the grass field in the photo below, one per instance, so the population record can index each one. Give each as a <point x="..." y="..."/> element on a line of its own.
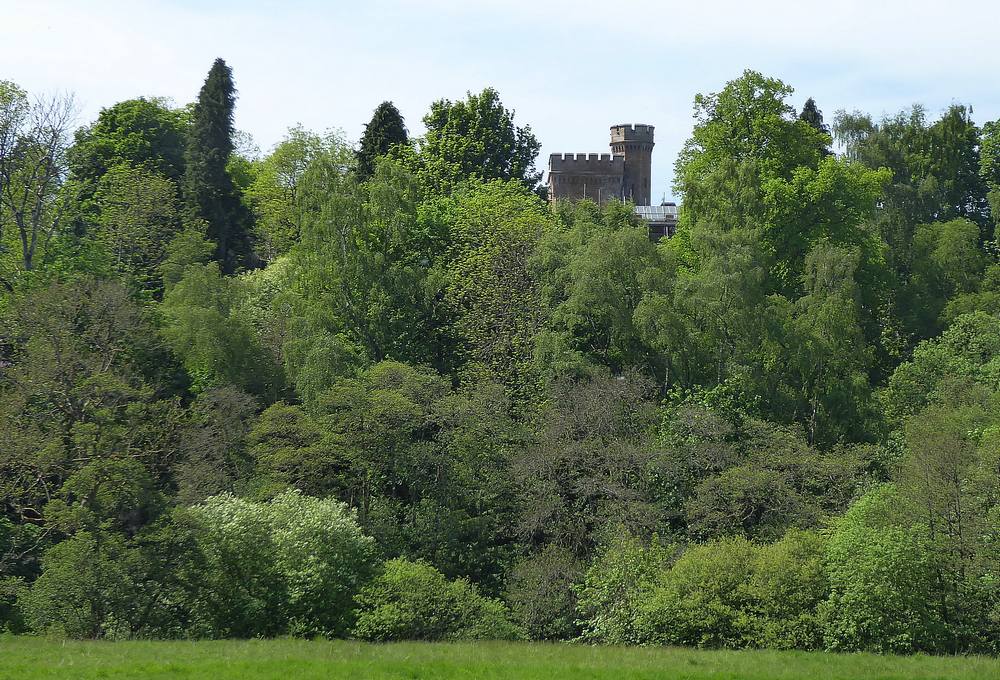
<point x="35" y="659"/>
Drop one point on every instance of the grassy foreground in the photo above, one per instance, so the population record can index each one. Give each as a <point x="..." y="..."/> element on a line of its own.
<point x="34" y="659"/>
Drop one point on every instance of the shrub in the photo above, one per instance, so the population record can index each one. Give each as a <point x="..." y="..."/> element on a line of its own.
<point x="882" y="583"/>
<point x="734" y="593"/>
<point x="84" y="590"/>
<point x="788" y="584"/>
<point x="703" y="600"/>
<point x="324" y="560"/>
<point x="614" y="587"/>
<point x="292" y="565"/>
<point x="414" y="601"/>
<point x="541" y="593"/>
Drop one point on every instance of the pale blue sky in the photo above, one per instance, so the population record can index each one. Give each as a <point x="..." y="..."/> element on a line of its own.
<point x="569" y="68"/>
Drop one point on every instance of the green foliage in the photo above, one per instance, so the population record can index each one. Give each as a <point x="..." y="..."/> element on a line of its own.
<point x="428" y="466"/>
<point x="209" y="192"/>
<point x="788" y="584"/>
<point x="137" y="217"/>
<point x="732" y="593"/>
<point x="589" y="469"/>
<point x="811" y="114"/>
<point x="213" y="456"/>
<point x="617" y="584"/>
<point x="488" y="281"/>
<point x="292" y="565"/>
<point x="275" y="190"/>
<point x="703" y="599"/>
<point x="473" y="139"/>
<point x="215" y="342"/>
<point x="414" y="601"/>
<point x="421" y="361"/>
<point x="594" y="274"/>
<point x="382" y="134"/>
<point x="363" y="266"/>
<point x="142" y="133"/>
<point x="947" y="262"/>
<point x="84" y="590"/>
<point x="883" y="589"/>
<point x="737" y="476"/>
<point x="291" y="448"/>
<point x="748" y="123"/>
<point x="33" y="200"/>
<point x="542" y="596"/>
<point x="966" y="352"/>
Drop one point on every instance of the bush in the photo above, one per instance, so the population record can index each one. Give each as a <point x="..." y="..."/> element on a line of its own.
<point x="882" y="582"/>
<point x="704" y="599"/>
<point x="789" y="582"/>
<point x="541" y="594"/>
<point x="734" y="593"/>
<point x="615" y="586"/>
<point x="414" y="601"/>
<point x="292" y="565"/>
<point x="84" y="590"/>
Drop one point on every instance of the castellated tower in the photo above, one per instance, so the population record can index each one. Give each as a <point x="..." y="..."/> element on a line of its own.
<point x="623" y="175"/>
<point x="635" y="144"/>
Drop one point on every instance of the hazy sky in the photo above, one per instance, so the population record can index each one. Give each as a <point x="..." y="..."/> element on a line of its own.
<point x="570" y="68"/>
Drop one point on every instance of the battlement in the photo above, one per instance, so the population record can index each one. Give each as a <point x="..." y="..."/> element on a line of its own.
<point x="603" y="163"/>
<point x="627" y="132"/>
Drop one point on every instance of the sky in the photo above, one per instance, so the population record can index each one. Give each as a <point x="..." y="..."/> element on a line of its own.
<point x="569" y="68"/>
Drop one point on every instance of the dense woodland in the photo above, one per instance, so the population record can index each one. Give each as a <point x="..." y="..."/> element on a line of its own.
<point x="389" y="392"/>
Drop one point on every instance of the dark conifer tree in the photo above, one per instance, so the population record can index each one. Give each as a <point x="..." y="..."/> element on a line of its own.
<point x="812" y="115"/>
<point x="209" y="192"/>
<point x="384" y="131"/>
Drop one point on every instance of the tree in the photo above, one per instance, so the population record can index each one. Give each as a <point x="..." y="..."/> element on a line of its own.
<point x="595" y="274"/>
<point x="292" y="565"/>
<point x="275" y="191"/>
<point x="475" y="138"/>
<point x="383" y="132"/>
<point x="989" y="168"/>
<point x="137" y="216"/>
<point x="205" y="326"/>
<point x="364" y="264"/>
<point x="935" y="173"/>
<point x="146" y="135"/>
<point x="748" y="122"/>
<point x="587" y="474"/>
<point x="213" y="445"/>
<point x="33" y="144"/>
<point x="428" y="466"/>
<point x="812" y="115"/>
<point x="616" y="585"/>
<point x="542" y="593"/>
<point x="209" y="192"/>
<point x="489" y="284"/>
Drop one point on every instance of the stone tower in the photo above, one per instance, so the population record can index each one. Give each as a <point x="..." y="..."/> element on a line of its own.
<point x="634" y="143"/>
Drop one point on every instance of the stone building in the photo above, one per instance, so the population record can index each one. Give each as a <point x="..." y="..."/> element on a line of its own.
<point x="624" y="174"/>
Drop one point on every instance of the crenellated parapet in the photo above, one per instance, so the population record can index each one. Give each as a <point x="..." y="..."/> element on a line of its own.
<point x="637" y="133"/>
<point x="596" y="163"/>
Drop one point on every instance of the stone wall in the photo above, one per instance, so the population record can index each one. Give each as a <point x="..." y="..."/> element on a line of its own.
<point x="578" y="176"/>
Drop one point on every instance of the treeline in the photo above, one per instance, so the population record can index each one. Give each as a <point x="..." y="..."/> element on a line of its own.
<point x="389" y="392"/>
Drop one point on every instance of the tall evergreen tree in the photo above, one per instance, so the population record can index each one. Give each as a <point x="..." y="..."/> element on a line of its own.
<point x="385" y="130"/>
<point x="812" y="115"/>
<point x="209" y="192"/>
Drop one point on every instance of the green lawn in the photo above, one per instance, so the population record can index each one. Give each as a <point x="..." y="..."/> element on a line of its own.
<point x="33" y="659"/>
